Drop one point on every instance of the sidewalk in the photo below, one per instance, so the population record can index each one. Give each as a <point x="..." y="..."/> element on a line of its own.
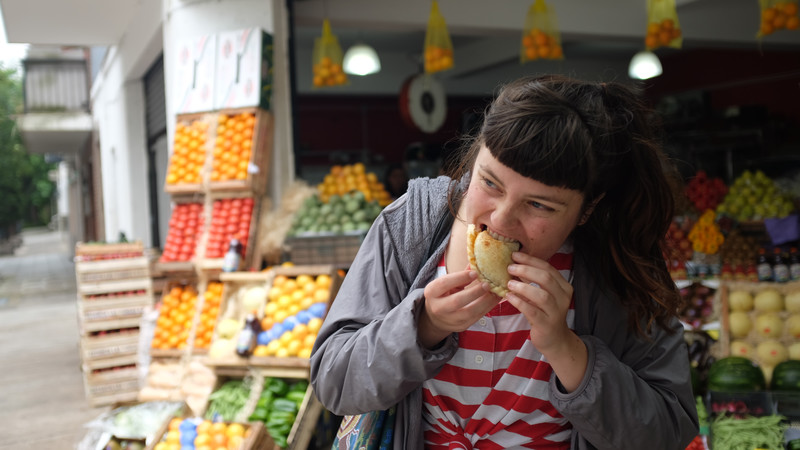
<point x="41" y="384"/>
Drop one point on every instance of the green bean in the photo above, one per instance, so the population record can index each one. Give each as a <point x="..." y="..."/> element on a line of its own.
<point x="749" y="433"/>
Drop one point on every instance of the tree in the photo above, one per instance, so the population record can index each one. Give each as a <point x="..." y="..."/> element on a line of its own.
<point x="25" y="188"/>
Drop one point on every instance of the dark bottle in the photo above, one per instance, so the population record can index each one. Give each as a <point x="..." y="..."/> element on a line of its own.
<point x="232" y="259"/>
<point x="248" y="337"/>
<point x="794" y="264"/>
<point x="780" y="268"/>
<point x="763" y="267"/>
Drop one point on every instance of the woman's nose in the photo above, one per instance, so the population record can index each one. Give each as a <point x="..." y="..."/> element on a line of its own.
<point x="504" y="214"/>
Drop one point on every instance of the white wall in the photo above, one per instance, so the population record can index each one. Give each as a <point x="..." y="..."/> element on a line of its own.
<point x="118" y="114"/>
<point x="185" y="19"/>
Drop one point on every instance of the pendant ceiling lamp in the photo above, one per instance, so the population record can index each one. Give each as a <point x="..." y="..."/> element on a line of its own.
<point x="644" y="65"/>
<point x="361" y="59"/>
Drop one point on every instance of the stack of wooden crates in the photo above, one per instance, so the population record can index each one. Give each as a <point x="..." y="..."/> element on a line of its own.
<point x="114" y="289"/>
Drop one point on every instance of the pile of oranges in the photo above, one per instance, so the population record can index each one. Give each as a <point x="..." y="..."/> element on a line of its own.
<point x="188" y="153"/>
<point x="288" y="300"/>
<point x="438" y="58"/>
<point x="780" y="16"/>
<point x="203" y="435"/>
<point x="537" y="44"/>
<point x="328" y="73"/>
<point x="212" y="298"/>
<point x="175" y="318"/>
<point x="233" y="146"/>
<point x="353" y="177"/>
<point x="661" y="34"/>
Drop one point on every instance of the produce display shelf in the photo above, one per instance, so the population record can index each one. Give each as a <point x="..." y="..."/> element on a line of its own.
<point x="241" y="370"/>
<point x="260" y="158"/>
<point x="305" y="423"/>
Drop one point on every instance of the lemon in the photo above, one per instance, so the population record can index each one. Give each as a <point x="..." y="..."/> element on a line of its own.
<point x="282" y="353"/>
<point x="304" y="353"/>
<point x="272" y="347"/>
<point x="314" y="325"/>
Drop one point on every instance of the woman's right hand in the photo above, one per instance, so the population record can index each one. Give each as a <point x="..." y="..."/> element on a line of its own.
<point x="453" y="303"/>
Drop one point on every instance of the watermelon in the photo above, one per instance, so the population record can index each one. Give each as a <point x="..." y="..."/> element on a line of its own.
<point x="786" y="376"/>
<point x="735" y="374"/>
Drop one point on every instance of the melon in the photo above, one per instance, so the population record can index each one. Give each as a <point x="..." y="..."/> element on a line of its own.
<point x="768" y="300"/>
<point x="742" y="348"/>
<point x="771" y="352"/>
<point x="769" y="325"/>
<point x="740" y="301"/>
<point x="739" y="324"/>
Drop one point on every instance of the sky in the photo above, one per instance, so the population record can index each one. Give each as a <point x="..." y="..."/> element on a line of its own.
<point x="10" y="54"/>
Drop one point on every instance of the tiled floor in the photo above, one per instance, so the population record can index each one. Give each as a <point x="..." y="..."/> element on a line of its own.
<point x="42" y="402"/>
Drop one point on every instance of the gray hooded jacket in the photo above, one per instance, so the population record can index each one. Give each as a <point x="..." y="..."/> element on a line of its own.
<point x="636" y="393"/>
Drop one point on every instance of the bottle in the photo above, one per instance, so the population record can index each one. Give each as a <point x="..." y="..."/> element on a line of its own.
<point x="763" y="267"/>
<point x="780" y="268"/>
<point x="248" y="337"/>
<point x="232" y="259"/>
<point x="794" y="264"/>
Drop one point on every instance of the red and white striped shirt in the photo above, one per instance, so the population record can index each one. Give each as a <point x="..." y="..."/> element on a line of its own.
<point x="494" y="393"/>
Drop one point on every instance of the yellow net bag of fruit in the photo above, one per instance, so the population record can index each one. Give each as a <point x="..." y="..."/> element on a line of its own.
<point x="663" y="28"/>
<point x="326" y="59"/>
<point x="778" y="15"/>
<point x="540" y="37"/>
<point x="438" y="47"/>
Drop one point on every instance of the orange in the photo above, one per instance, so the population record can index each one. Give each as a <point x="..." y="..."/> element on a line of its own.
<point x="235" y="429"/>
<point x="204" y="427"/>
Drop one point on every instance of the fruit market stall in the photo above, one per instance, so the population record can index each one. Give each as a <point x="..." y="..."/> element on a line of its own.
<point x="731" y="250"/>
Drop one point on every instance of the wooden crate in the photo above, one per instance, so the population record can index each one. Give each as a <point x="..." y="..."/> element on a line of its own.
<point x="193" y="188"/>
<point x="753" y="338"/>
<point x="257" y="439"/>
<point x="90" y="251"/>
<point x="292" y="367"/>
<point x="338" y="250"/>
<point x="110" y="345"/>
<point x="111" y="387"/>
<point x="213" y="266"/>
<point x="260" y="157"/>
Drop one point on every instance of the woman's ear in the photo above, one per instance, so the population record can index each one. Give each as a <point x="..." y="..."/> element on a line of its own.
<point x="588" y="212"/>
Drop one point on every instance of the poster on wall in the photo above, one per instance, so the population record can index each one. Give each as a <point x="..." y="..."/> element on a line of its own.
<point x="244" y="69"/>
<point x="194" y="75"/>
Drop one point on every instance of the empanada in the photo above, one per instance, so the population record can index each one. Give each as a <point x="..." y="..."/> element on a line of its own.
<point x="490" y="256"/>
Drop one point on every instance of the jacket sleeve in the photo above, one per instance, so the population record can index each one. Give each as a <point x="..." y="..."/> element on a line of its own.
<point x="639" y="399"/>
<point x="367" y="355"/>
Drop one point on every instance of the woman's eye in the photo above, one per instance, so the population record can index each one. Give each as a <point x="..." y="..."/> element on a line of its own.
<point x="538" y="205"/>
<point x="489" y="183"/>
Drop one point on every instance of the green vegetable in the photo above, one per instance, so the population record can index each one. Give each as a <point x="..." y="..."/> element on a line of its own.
<point x="749" y="433"/>
<point x="260" y="414"/>
<point x="228" y="400"/>
<point x="283" y="404"/>
<point x="277" y="386"/>
<point x="296" y="396"/>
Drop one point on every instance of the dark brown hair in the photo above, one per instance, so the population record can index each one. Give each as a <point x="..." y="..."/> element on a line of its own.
<point x="599" y="139"/>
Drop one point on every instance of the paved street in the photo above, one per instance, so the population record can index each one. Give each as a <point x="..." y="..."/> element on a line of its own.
<point x="41" y="385"/>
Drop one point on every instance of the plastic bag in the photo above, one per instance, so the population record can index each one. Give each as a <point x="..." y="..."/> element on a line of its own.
<point x="663" y="28"/>
<point x="778" y="15"/>
<point x="540" y="37"/>
<point x="438" y="47"/>
<point x="326" y="59"/>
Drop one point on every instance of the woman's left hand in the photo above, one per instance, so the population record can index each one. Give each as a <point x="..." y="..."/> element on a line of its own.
<point x="543" y="296"/>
